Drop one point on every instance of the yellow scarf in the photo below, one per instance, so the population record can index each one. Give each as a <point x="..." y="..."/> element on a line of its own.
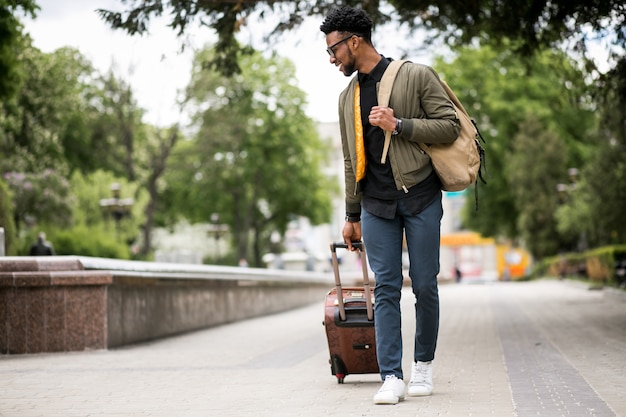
<point x="361" y="162"/>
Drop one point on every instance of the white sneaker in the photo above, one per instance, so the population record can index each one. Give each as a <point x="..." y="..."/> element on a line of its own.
<point x="391" y="392"/>
<point x="421" y="382"/>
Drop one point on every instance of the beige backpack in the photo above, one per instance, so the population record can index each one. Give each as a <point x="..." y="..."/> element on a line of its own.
<point x="458" y="164"/>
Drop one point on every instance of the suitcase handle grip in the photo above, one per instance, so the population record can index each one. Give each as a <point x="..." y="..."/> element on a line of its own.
<point x="341" y="245"/>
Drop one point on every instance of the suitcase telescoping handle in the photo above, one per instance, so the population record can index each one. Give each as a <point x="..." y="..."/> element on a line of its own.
<point x="366" y="282"/>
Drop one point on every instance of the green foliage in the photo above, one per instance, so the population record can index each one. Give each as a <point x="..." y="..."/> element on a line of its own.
<point x="6" y="218"/>
<point x="32" y="134"/>
<point x="594" y="210"/>
<point x="41" y="197"/>
<point x="89" y="212"/>
<point x="574" y="216"/>
<point x="69" y="119"/>
<point x="27" y="140"/>
<point x="117" y="133"/>
<point x="256" y="159"/>
<point x="67" y="116"/>
<point x="606" y="264"/>
<point x="532" y="181"/>
<point x="603" y="187"/>
<point x="11" y="43"/>
<point x="93" y="232"/>
<point x="532" y="25"/>
<point x="515" y="102"/>
<point x="99" y="241"/>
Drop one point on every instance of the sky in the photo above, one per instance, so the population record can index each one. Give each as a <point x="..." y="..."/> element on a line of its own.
<point x="156" y="68"/>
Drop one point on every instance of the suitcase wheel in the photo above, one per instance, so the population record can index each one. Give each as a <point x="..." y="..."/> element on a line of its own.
<point x="338" y="368"/>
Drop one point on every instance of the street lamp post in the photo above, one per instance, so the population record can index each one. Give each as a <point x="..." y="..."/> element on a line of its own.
<point x="564" y="191"/>
<point x="215" y="220"/>
<point x="117" y="207"/>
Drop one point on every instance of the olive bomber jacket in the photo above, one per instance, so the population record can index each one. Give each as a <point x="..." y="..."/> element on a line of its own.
<point x="428" y="116"/>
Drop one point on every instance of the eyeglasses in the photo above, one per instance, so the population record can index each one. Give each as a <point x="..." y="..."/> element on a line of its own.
<point x="331" y="47"/>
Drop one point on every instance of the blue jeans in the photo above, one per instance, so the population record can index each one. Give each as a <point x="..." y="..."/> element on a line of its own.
<point x="383" y="242"/>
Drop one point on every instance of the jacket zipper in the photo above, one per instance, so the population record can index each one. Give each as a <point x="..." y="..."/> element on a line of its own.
<point x="406" y="190"/>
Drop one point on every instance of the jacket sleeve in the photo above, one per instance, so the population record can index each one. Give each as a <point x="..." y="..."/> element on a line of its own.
<point x="433" y="118"/>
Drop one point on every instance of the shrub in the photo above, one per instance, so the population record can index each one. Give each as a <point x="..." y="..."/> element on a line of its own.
<point x="88" y="241"/>
<point x="6" y="219"/>
<point x="606" y="264"/>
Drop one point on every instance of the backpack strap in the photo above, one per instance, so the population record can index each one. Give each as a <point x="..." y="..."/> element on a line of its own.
<point x="454" y="98"/>
<point x="384" y="92"/>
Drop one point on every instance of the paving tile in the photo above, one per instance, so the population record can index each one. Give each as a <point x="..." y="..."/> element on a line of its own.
<point x="506" y="349"/>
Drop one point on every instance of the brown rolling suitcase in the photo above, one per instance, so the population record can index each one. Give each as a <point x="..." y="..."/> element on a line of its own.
<point x="349" y="323"/>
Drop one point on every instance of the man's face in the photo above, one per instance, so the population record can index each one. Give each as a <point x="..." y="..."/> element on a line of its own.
<point x="340" y="54"/>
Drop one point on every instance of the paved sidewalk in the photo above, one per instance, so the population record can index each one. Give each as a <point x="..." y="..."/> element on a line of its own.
<point x="543" y="348"/>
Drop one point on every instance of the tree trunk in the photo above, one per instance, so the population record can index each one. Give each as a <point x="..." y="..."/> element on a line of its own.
<point x="158" y="164"/>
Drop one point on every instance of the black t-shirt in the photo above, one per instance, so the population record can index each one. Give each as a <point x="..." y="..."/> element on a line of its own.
<point x="378" y="181"/>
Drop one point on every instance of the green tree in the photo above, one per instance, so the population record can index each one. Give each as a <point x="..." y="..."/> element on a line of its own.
<point x="34" y="143"/>
<point x="503" y="93"/>
<point x="30" y="138"/>
<point x="531" y="25"/>
<point x="118" y="129"/>
<point x="6" y="219"/>
<point x="128" y="147"/>
<point x="256" y="158"/>
<point x="11" y="44"/>
<point x="159" y="150"/>
<point x="64" y="118"/>
<point x="93" y="212"/>
<point x="535" y="163"/>
<point x="67" y="117"/>
<point x="89" y="129"/>
<point x="42" y="197"/>
<point x="595" y="209"/>
<point x="70" y="118"/>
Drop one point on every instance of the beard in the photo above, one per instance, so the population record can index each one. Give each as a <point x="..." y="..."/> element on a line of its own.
<point x="349" y="67"/>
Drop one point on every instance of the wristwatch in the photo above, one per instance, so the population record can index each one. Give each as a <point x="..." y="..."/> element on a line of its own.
<point x="398" y="128"/>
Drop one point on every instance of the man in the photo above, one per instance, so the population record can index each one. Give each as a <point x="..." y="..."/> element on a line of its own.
<point x="42" y="247"/>
<point x="395" y="197"/>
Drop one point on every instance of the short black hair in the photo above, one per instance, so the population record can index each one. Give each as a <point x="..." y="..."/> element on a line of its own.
<point x="350" y="20"/>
